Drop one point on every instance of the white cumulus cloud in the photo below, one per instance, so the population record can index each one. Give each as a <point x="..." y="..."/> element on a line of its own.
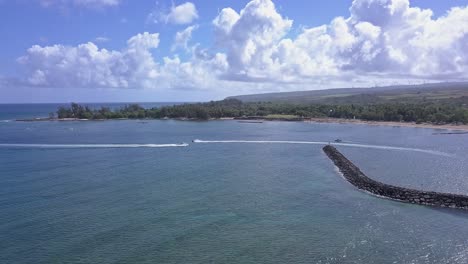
<point x="181" y="14"/>
<point x="380" y="40"/>
<point x="250" y="37"/>
<point x="88" y="66"/>
<point x="182" y="38"/>
<point x="386" y="38"/>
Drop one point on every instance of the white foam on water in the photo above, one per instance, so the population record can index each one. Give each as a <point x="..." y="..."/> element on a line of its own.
<point x="433" y="152"/>
<point x="72" y="146"/>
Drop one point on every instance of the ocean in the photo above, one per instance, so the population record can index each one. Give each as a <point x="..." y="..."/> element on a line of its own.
<point x="129" y="191"/>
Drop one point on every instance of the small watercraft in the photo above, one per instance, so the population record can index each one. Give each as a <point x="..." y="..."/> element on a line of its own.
<point x="338" y="140"/>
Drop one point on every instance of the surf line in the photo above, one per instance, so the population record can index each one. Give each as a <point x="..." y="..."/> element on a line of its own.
<point x="433" y="152"/>
<point x="74" y="146"/>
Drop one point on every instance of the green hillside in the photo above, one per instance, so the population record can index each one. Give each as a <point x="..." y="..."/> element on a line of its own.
<point x="439" y="92"/>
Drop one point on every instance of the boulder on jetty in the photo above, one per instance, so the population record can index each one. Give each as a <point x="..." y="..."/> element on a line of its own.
<point x="357" y="178"/>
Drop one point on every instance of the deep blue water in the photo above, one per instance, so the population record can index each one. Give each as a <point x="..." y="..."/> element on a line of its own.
<point x="222" y="202"/>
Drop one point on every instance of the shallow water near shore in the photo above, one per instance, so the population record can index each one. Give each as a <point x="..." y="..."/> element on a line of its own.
<point x="224" y="203"/>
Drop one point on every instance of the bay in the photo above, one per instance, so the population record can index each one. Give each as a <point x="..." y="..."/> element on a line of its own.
<point x="223" y="202"/>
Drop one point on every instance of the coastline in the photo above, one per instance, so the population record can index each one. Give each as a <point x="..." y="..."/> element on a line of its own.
<point x="454" y="127"/>
<point x="389" y="123"/>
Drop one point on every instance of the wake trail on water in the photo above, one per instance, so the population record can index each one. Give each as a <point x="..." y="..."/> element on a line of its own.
<point x="382" y="147"/>
<point x="78" y="146"/>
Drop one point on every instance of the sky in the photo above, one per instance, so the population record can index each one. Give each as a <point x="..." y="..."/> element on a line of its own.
<point x="179" y="51"/>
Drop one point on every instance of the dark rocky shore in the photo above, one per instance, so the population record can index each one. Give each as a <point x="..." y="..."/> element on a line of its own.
<point x="357" y="178"/>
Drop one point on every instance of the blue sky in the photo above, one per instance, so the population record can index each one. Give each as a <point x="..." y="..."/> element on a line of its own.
<point x="98" y="51"/>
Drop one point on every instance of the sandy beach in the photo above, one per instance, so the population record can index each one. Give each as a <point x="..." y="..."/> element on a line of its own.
<point x="385" y="123"/>
<point x="460" y="128"/>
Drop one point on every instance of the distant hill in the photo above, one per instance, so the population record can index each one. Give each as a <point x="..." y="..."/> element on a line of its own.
<point x="443" y="92"/>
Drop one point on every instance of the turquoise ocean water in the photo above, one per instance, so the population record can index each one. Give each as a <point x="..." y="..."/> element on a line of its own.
<point x="237" y="202"/>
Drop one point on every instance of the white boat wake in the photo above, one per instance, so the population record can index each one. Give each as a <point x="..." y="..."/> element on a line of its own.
<point x="74" y="146"/>
<point x="90" y="146"/>
<point x="433" y="152"/>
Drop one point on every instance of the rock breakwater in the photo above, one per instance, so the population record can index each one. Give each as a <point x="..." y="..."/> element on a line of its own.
<point x="357" y="178"/>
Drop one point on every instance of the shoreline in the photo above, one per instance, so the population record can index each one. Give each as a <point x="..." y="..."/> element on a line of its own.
<point x="390" y="123"/>
<point x="461" y="128"/>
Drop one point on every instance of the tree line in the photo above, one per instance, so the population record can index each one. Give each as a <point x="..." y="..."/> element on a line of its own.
<point x="433" y="112"/>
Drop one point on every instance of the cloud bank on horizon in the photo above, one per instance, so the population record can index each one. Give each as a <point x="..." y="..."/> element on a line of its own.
<point x="255" y="48"/>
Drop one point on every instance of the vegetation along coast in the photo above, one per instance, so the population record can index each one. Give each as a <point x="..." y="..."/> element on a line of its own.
<point x="442" y="106"/>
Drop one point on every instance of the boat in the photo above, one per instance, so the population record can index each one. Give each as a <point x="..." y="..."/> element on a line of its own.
<point x="338" y="140"/>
